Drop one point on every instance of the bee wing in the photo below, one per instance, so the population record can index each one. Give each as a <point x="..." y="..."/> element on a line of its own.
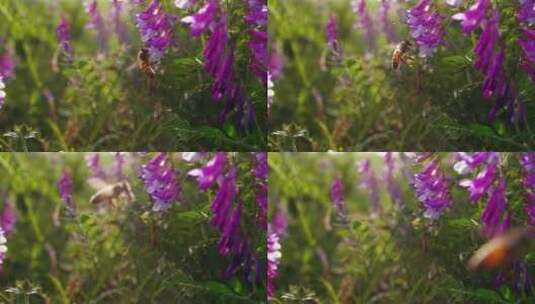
<point x="490" y="255"/>
<point x="499" y="249"/>
<point x="97" y="183"/>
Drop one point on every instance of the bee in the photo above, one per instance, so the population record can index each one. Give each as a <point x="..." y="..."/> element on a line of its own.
<point x="500" y="250"/>
<point x="401" y="54"/>
<point x="144" y="64"/>
<point x="111" y="193"/>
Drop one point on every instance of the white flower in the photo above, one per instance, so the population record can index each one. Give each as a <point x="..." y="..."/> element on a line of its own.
<point x="184" y="4"/>
<point x="2" y="92"/>
<point x="454" y="2"/>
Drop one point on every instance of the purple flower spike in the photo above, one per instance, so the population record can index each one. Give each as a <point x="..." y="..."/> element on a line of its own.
<point x="65" y="192"/>
<point x="93" y="163"/>
<point x="222" y="203"/>
<point x="64" y="38"/>
<point x="8" y="218"/>
<point x="480" y="185"/>
<point x="219" y="61"/>
<point x="160" y="182"/>
<point x="364" y="22"/>
<point x="260" y="171"/>
<point x="256" y="17"/>
<point x="273" y="260"/>
<point x="118" y="164"/>
<point x="7" y="65"/>
<point x="276" y="64"/>
<point x="527" y="161"/>
<point x="386" y="24"/>
<point x="96" y="23"/>
<point x="388" y="175"/>
<point x="526" y="13"/>
<point x="157" y="30"/>
<point x="203" y="19"/>
<point x="337" y="198"/>
<point x="231" y="232"/>
<point x="279" y="222"/>
<point x="493" y="216"/>
<point x="210" y="173"/>
<point x="332" y="37"/>
<point x="369" y="183"/>
<point x="527" y="43"/>
<point x="258" y="47"/>
<point x="120" y="27"/>
<point x="473" y="17"/>
<point x="432" y="190"/>
<point x="426" y="27"/>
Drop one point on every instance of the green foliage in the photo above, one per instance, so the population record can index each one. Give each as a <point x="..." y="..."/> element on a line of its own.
<point x="397" y="257"/>
<point x="361" y="104"/>
<point x="123" y="254"/>
<point x="101" y="101"/>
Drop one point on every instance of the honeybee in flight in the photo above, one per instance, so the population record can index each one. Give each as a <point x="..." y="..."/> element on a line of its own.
<point x="110" y="193"/>
<point x="500" y="250"/>
<point x="144" y="64"/>
<point x="401" y="54"/>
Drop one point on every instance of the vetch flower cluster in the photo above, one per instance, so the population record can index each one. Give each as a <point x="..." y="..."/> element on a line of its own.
<point x="211" y="172"/>
<point x="94" y="166"/>
<point x="157" y="30"/>
<point x="527" y="43"/>
<point x="120" y="27"/>
<point x="332" y="37"/>
<point x="487" y="182"/>
<point x="526" y="12"/>
<point x="480" y="184"/>
<point x="117" y="168"/>
<point x="260" y="171"/>
<point x="527" y="161"/>
<point x="65" y="191"/>
<point x="160" y="182"/>
<point x="386" y="24"/>
<point x="489" y="61"/>
<point x="432" y="190"/>
<point x="257" y="18"/>
<point x="64" y="38"/>
<point x="203" y="19"/>
<point x="389" y="177"/>
<point x="8" y="218"/>
<point x="219" y="60"/>
<point x="369" y="183"/>
<point x="364" y="22"/>
<point x="473" y="16"/>
<point x="426" y="27"/>
<point x="97" y="23"/>
<point x="7" y="65"/>
<point x="337" y="198"/>
<point x="494" y="220"/>
<point x="490" y="53"/>
<point x="226" y="218"/>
